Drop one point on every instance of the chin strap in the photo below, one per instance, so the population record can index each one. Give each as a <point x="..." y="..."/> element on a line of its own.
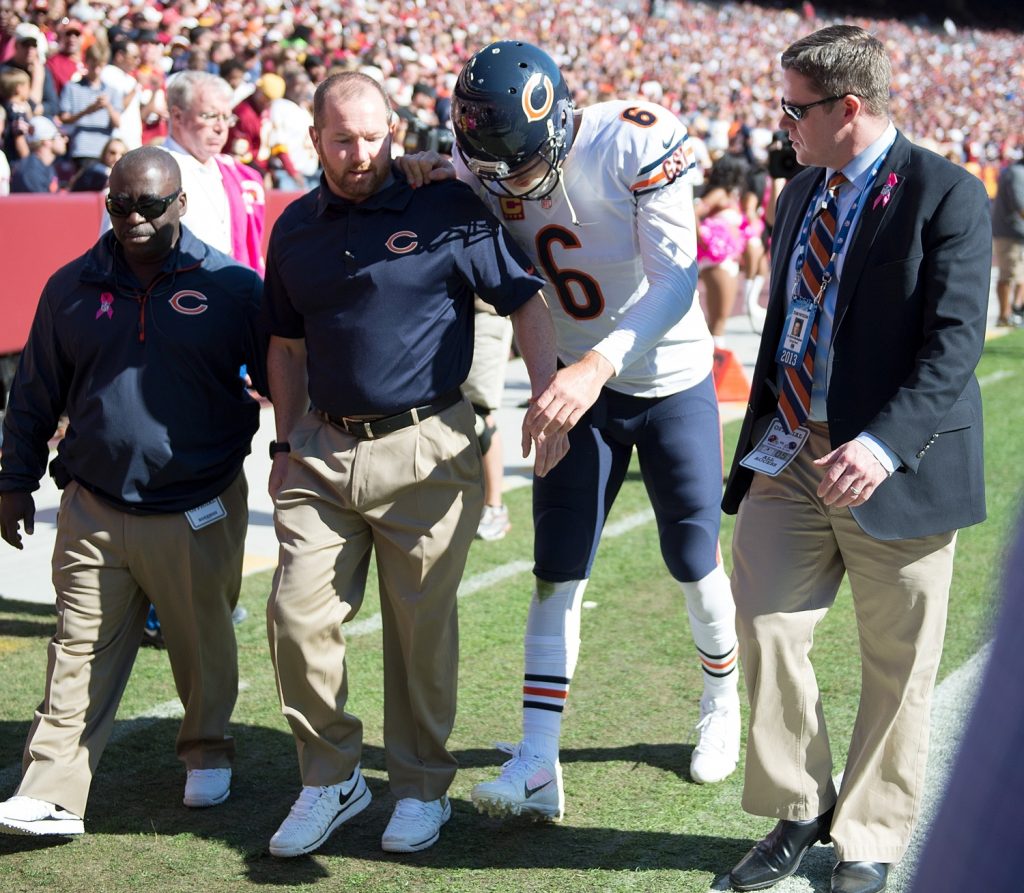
<point x="568" y="202"/>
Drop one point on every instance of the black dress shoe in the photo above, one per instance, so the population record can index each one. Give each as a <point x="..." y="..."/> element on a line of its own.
<point x="779" y="854"/>
<point x="859" y="877"/>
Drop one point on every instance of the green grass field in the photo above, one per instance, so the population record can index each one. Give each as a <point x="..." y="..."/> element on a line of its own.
<point x="634" y="821"/>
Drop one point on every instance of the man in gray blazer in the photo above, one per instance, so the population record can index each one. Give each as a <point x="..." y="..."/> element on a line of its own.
<point x="860" y="453"/>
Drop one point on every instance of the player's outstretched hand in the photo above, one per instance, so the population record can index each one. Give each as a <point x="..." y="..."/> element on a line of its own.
<point x="570" y="394"/>
<point x="550" y="450"/>
<point x="425" y="167"/>
<point x="16" y="508"/>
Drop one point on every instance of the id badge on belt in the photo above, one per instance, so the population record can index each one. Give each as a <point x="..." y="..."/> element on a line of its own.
<point x="796" y="334"/>
<point x="206" y="514"/>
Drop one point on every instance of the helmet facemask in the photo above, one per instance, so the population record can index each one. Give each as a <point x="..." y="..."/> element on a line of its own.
<point x="546" y="161"/>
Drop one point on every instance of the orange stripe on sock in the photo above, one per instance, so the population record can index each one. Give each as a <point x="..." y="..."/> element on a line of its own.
<point x="720" y="666"/>
<point x="545" y="692"/>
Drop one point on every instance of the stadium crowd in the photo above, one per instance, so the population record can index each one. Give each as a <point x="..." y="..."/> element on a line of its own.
<point x="956" y="89"/>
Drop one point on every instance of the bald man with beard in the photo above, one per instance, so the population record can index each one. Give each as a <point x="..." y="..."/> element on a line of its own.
<point x="139" y="342"/>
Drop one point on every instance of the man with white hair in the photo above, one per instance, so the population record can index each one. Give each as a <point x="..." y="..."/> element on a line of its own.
<point x="227" y="202"/>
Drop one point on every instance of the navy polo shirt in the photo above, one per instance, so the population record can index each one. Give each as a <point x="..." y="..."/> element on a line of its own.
<point x="382" y="291"/>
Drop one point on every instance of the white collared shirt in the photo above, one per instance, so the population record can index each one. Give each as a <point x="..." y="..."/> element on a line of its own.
<point x="208" y="214"/>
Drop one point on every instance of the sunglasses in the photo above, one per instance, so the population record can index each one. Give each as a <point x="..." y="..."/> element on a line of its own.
<point x="148" y="206"/>
<point x="797" y="112"/>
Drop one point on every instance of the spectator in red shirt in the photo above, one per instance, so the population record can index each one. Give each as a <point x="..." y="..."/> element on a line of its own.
<point x="66" y="63"/>
<point x="152" y="87"/>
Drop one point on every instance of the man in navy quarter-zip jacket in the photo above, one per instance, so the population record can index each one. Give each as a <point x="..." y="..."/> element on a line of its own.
<point x="139" y="342"/>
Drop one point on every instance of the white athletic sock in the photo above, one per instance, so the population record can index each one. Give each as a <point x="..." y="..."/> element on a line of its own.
<point x="713" y="627"/>
<point x="551" y="648"/>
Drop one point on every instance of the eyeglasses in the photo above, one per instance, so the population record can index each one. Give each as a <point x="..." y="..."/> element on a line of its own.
<point x="148" y="206"/>
<point x="213" y="117"/>
<point x="797" y="112"/>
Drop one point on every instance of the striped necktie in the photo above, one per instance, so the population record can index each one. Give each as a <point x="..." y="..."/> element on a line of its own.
<point x="795" y="397"/>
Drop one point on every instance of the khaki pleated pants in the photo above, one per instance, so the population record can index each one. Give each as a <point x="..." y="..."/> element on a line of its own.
<point x="413" y="498"/>
<point x="790" y="552"/>
<point x="107" y="566"/>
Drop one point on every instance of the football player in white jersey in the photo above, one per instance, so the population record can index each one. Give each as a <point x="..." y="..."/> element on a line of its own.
<point x="598" y="199"/>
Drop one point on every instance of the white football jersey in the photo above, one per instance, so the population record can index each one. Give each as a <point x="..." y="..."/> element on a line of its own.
<point x="623" y="281"/>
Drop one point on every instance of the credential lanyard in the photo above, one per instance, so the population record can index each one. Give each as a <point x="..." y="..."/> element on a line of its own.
<point x="842" y="232"/>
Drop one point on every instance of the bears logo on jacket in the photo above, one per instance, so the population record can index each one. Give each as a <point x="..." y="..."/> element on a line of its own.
<point x="189" y="302"/>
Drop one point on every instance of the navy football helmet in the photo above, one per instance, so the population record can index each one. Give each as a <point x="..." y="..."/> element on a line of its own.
<point x="512" y="114"/>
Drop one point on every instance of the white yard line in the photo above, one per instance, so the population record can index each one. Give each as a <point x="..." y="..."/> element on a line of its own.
<point x="502" y="572"/>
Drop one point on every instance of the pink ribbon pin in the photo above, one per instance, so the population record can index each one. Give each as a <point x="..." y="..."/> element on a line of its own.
<point x="886" y="192"/>
<point x="106" y="305"/>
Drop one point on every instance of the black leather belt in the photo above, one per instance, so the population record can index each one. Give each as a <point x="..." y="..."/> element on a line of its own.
<point x="371" y="428"/>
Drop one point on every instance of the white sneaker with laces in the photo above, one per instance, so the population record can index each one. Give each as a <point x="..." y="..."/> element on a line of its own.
<point x="26" y="815"/>
<point x="494" y="523"/>
<point x="718" y="744"/>
<point x="529" y="785"/>
<point x="317" y="813"/>
<point x="415" y="825"/>
<point x="207" y="787"/>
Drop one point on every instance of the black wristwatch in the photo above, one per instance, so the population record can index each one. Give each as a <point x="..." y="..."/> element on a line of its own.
<point x="279" y="446"/>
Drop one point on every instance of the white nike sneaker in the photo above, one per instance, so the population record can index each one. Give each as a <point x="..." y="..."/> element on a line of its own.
<point x="494" y="523"/>
<point x="718" y="745"/>
<point x="27" y="815"/>
<point x="206" y="787"/>
<point x="317" y="813"/>
<point x="415" y="825"/>
<point x="529" y="785"/>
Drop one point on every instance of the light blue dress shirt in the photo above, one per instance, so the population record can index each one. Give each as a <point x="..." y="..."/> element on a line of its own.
<point x="858" y="172"/>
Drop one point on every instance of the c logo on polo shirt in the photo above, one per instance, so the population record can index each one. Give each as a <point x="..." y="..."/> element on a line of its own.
<point x="402" y="242"/>
<point x="189" y="302"/>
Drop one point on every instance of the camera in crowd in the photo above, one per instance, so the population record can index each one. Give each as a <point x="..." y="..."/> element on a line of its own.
<point x="782" y="163"/>
<point x="420" y="137"/>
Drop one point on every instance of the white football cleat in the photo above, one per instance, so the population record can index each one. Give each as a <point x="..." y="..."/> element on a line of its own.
<point x="37" y="818"/>
<point x="529" y="785"/>
<point x="718" y="746"/>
